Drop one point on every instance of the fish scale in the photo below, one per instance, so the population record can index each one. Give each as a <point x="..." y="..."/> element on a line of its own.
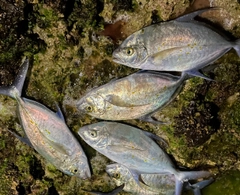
<point x="131" y="97"/>
<point x="156" y="184"/>
<point x="183" y="45"/>
<point x="47" y="131"/>
<point x="134" y="149"/>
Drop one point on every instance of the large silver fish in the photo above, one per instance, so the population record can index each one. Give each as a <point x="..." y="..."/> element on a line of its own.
<point x="134" y="149"/>
<point x="136" y="96"/>
<point x="47" y="131"/>
<point x="183" y="44"/>
<point x="156" y="184"/>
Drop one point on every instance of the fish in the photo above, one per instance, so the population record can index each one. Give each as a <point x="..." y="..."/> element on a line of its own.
<point x="182" y="44"/>
<point x="157" y="184"/>
<point x="134" y="149"/>
<point x="46" y="131"/>
<point x="113" y="192"/>
<point x="136" y="96"/>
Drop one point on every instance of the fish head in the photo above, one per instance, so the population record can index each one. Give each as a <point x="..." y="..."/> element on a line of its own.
<point x="79" y="168"/>
<point x="132" y="56"/>
<point x="96" y="135"/>
<point x="118" y="173"/>
<point x="93" y="105"/>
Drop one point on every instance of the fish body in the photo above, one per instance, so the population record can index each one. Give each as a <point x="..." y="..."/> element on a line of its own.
<point x="156" y="184"/>
<point x="131" y="147"/>
<point x="131" y="97"/>
<point x="181" y="45"/>
<point x="48" y="132"/>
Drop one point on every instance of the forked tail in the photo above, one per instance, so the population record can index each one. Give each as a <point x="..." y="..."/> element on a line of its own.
<point x="237" y="47"/>
<point x="184" y="176"/>
<point x="196" y="188"/>
<point x="15" y="90"/>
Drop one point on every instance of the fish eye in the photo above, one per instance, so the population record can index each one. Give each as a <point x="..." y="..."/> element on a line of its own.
<point x="129" y="51"/>
<point x="73" y="170"/>
<point x="93" y="133"/>
<point x="116" y="175"/>
<point x="88" y="108"/>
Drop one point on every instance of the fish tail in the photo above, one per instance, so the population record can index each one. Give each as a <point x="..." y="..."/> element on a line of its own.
<point x="15" y="90"/>
<point x="237" y="46"/>
<point x="196" y="188"/>
<point x="183" y="176"/>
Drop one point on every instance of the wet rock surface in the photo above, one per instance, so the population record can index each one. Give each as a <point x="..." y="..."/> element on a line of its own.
<point x="69" y="44"/>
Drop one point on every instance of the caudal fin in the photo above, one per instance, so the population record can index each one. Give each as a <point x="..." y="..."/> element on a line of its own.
<point x="237" y="47"/>
<point x="184" y="176"/>
<point x="16" y="88"/>
<point x="196" y="188"/>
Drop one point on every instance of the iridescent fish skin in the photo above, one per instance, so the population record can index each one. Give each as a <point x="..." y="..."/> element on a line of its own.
<point x="131" y="147"/>
<point x="47" y="131"/>
<point x="131" y="97"/>
<point x="156" y="184"/>
<point x="181" y="45"/>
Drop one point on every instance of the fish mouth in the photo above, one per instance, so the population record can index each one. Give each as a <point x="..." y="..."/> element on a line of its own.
<point x="116" y="59"/>
<point x="115" y="56"/>
<point x="81" y="131"/>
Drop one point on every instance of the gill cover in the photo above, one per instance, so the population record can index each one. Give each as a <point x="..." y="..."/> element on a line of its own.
<point x="93" y="105"/>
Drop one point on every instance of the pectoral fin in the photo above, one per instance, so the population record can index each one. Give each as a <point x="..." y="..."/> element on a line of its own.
<point x="123" y="147"/>
<point x="159" y="57"/>
<point x="56" y="146"/>
<point x="117" y="101"/>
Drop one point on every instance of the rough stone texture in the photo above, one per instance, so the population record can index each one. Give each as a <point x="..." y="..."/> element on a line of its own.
<point x="70" y="45"/>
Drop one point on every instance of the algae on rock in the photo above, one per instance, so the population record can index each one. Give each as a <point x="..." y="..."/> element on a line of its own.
<point x="70" y="55"/>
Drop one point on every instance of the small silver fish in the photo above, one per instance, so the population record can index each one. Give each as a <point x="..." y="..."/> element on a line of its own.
<point x="47" y="131"/>
<point x="136" y="96"/>
<point x="156" y="184"/>
<point x="135" y="150"/>
<point x="183" y="45"/>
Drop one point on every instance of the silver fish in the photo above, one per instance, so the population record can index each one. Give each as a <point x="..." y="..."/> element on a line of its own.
<point x="157" y="184"/>
<point x="135" y="150"/>
<point x="136" y="96"/>
<point x="47" y="131"/>
<point x="182" y="44"/>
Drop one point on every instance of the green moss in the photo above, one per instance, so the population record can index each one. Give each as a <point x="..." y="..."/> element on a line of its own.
<point x="5" y="185"/>
<point x="227" y="183"/>
<point x="67" y="63"/>
<point x="46" y="17"/>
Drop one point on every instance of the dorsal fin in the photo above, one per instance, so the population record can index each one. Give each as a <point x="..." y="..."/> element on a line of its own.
<point x="191" y="16"/>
